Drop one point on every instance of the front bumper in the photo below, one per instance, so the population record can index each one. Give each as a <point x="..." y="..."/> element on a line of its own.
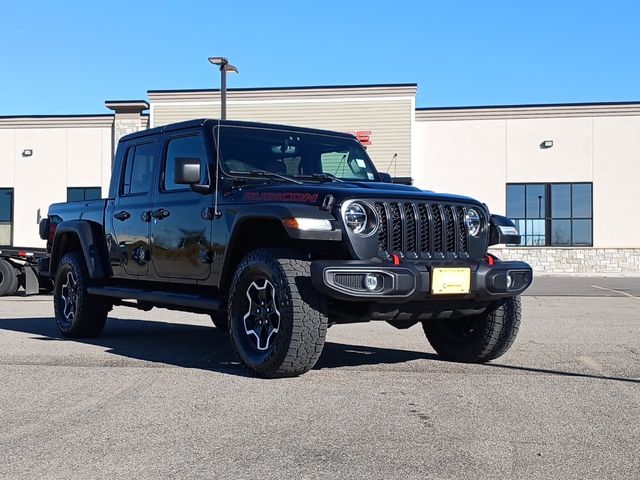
<point x="411" y="282"/>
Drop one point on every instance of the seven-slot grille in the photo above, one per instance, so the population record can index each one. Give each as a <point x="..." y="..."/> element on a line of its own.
<point x="422" y="230"/>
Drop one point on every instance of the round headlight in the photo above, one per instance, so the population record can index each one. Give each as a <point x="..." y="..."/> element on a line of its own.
<point x="360" y="218"/>
<point x="473" y="221"/>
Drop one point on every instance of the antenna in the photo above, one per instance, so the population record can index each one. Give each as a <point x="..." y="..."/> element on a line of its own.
<point x="395" y="165"/>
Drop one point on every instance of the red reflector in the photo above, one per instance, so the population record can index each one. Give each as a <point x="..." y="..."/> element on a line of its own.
<point x="396" y="259"/>
<point x="22" y="253"/>
<point x="52" y="231"/>
<point x="490" y="260"/>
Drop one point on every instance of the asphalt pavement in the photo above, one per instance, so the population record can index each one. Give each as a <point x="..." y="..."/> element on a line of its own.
<point x="584" y="286"/>
<point x="160" y="395"/>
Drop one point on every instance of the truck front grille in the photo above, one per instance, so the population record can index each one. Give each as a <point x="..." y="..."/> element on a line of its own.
<point x="422" y="230"/>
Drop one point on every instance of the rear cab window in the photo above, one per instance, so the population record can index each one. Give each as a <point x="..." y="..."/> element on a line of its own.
<point x="138" y="169"/>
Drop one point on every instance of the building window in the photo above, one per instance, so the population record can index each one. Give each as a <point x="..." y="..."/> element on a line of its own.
<point x="552" y="214"/>
<point x="6" y="216"/>
<point x="80" y="194"/>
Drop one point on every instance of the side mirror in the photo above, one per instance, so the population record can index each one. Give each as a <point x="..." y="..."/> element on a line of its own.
<point x="187" y="171"/>
<point x="502" y="231"/>
<point x="386" y="178"/>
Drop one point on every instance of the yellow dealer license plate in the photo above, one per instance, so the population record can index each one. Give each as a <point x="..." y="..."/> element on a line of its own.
<point x="451" y="281"/>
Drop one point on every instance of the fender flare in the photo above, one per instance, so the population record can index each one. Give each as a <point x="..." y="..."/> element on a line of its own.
<point x="91" y="238"/>
<point x="276" y="213"/>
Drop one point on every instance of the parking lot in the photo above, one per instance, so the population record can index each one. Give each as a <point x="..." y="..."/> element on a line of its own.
<point x="160" y="395"/>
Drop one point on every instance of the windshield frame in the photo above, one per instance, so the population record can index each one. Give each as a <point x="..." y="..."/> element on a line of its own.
<point x="219" y="154"/>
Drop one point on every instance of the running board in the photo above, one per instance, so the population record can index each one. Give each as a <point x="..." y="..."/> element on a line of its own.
<point x="158" y="298"/>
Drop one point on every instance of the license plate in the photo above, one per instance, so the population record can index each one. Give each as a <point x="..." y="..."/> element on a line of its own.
<point x="450" y="281"/>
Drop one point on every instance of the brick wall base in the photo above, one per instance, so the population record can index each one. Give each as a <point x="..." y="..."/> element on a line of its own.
<point x="595" y="261"/>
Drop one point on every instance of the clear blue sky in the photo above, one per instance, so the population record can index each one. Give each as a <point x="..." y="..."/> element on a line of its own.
<point x="69" y="56"/>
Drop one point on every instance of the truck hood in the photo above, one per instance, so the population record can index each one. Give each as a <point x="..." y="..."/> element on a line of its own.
<point x="314" y="193"/>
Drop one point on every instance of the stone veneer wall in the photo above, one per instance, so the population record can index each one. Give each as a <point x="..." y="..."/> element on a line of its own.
<point x="621" y="261"/>
<point x="125" y="126"/>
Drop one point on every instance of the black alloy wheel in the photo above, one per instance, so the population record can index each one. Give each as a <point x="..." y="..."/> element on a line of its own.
<point x="278" y="321"/>
<point x="78" y="314"/>
<point x="69" y="297"/>
<point x="262" y="318"/>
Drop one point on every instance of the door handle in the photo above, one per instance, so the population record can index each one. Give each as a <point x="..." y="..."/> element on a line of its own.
<point x="122" y="216"/>
<point x="160" y="213"/>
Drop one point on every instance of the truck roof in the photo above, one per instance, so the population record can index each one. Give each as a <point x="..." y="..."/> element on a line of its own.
<point x="212" y="122"/>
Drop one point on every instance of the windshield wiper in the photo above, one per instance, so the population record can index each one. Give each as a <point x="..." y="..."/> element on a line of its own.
<point x="325" y="177"/>
<point x="266" y="173"/>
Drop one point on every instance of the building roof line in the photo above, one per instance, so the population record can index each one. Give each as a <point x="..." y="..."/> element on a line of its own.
<point x="304" y="87"/>
<point x="80" y="115"/>
<point x="528" y="105"/>
<point x="126" y="101"/>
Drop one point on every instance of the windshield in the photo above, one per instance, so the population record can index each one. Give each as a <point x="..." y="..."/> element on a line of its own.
<point x="295" y="154"/>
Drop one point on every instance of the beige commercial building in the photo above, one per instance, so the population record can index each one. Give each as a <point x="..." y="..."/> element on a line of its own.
<point x="567" y="174"/>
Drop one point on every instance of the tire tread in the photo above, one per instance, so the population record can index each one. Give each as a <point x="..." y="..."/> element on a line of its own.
<point x="498" y="329"/>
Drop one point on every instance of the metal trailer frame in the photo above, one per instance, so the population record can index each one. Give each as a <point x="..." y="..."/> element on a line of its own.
<point x="25" y="261"/>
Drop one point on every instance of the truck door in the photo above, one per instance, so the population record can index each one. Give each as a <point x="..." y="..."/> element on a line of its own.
<point x="180" y="229"/>
<point x="129" y="214"/>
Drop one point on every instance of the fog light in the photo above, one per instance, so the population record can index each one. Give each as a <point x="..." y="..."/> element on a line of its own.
<point x="509" y="280"/>
<point x="518" y="279"/>
<point x="371" y="282"/>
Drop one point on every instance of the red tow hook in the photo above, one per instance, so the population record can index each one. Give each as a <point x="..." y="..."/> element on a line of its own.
<point x="395" y="258"/>
<point x="490" y="259"/>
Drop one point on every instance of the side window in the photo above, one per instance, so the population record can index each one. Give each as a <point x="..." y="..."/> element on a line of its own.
<point x="138" y="173"/>
<point x="184" y="147"/>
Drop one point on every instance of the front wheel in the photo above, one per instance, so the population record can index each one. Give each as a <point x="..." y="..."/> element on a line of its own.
<point x="278" y="322"/>
<point x="78" y="314"/>
<point x="479" y="338"/>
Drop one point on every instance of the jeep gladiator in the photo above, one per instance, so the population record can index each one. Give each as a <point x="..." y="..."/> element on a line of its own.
<point x="277" y="233"/>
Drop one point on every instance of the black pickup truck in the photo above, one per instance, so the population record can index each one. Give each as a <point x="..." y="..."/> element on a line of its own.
<point x="279" y="232"/>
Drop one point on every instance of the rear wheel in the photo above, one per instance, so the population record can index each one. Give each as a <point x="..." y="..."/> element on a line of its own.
<point x="9" y="283"/>
<point x="278" y="320"/>
<point x="479" y="338"/>
<point x="78" y="314"/>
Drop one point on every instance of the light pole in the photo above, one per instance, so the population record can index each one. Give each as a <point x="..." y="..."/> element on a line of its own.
<point x="225" y="67"/>
<point x="539" y="206"/>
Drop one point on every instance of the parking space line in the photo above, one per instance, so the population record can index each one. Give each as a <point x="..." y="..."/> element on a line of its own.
<point x="616" y="291"/>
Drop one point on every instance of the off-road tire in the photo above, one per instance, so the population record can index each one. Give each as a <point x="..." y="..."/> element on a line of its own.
<point x="220" y="320"/>
<point x="89" y="311"/>
<point x="9" y="282"/>
<point x="490" y="334"/>
<point x="302" y="312"/>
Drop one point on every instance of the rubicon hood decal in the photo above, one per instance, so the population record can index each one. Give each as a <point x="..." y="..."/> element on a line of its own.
<point x="280" y="197"/>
